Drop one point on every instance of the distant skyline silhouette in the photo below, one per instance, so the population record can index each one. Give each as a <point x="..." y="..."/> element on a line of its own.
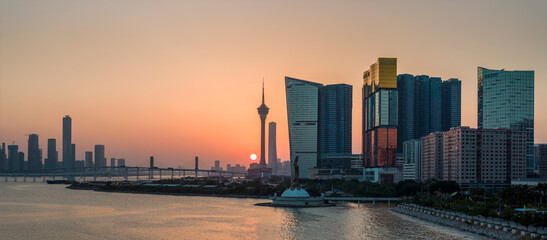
<point x="176" y="80"/>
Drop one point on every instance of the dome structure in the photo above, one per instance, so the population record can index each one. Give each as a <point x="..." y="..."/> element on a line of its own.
<point x="295" y="193"/>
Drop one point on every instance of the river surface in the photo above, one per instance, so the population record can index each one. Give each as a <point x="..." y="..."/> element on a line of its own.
<point x="42" y="211"/>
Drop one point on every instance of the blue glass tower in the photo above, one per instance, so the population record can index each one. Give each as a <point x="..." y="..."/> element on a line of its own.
<point x="426" y="105"/>
<point x="435" y="104"/>
<point x="452" y="103"/>
<point x="406" y="85"/>
<point x="506" y="100"/>
<point x="335" y="111"/>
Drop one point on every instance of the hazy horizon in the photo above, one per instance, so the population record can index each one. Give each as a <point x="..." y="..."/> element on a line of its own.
<point x="178" y="79"/>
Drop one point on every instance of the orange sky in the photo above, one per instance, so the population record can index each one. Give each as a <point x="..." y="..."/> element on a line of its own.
<point x="175" y="79"/>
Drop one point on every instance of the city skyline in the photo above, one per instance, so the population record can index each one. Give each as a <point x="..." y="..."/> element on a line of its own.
<point x="138" y="91"/>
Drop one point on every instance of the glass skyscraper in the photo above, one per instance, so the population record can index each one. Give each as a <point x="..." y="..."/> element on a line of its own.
<point x="451" y="104"/>
<point x="272" y="147"/>
<point x="68" y="162"/>
<point x="426" y="105"/>
<point x="380" y="114"/>
<point x="506" y="100"/>
<point x="320" y="119"/>
<point x="303" y="118"/>
<point x="335" y="106"/>
<point x="406" y="85"/>
<point x="52" y="155"/>
<point x="100" y="160"/>
<point x="34" y="153"/>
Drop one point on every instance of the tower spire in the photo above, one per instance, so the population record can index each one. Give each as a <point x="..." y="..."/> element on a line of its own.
<point x="263" y="112"/>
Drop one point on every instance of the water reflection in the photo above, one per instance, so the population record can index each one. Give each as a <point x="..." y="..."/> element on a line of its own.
<point x="59" y="213"/>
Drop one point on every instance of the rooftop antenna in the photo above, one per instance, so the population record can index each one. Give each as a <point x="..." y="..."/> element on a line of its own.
<point x="262" y="90"/>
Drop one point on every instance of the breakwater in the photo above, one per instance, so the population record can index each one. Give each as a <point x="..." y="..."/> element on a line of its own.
<point x="494" y="228"/>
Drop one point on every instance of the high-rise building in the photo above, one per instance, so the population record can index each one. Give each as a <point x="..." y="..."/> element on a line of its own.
<point x="121" y="164"/>
<point x="408" y="119"/>
<point x="68" y="162"/>
<point x="426" y="105"/>
<point x="435" y="105"/>
<point x="73" y="153"/>
<point x="217" y="166"/>
<point x="484" y="157"/>
<point x="3" y="158"/>
<point x="21" y="161"/>
<point x="320" y="119"/>
<point x="100" y="160"/>
<point x="451" y="104"/>
<point x="112" y="164"/>
<point x="380" y="114"/>
<point x="79" y="165"/>
<point x="34" y="160"/>
<point x="14" y="164"/>
<point x="52" y="154"/>
<point x="303" y="119"/>
<point x="506" y="100"/>
<point x="335" y="119"/>
<point x="412" y="153"/>
<point x="432" y="156"/>
<point x="272" y="147"/>
<point x="88" y="159"/>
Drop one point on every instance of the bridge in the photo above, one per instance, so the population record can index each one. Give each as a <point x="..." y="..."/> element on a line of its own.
<point x="127" y="173"/>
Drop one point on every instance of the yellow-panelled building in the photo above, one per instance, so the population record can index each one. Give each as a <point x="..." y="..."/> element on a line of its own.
<point x="382" y="74"/>
<point x="380" y="114"/>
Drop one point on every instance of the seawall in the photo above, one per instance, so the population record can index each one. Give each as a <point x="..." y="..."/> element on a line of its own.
<point x="493" y="228"/>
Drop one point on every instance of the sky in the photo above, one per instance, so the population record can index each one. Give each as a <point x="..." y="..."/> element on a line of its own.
<point x="178" y="79"/>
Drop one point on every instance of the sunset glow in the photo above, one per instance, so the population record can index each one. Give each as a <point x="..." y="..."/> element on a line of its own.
<point x="178" y="79"/>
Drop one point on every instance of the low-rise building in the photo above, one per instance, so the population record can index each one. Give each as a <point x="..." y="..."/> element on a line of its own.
<point x="412" y="153"/>
<point x="540" y="155"/>
<point x="432" y="156"/>
<point x="484" y="157"/>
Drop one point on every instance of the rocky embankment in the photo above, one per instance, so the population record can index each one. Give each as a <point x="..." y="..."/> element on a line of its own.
<point x="493" y="228"/>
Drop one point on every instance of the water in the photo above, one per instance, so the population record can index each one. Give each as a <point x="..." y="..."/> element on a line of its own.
<point x="41" y="211"/>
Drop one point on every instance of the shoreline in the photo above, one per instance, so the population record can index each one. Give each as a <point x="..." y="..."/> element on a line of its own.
<point x="473" y="227"/>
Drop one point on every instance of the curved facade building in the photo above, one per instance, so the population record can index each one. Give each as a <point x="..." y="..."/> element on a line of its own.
<point x="303" y="119"/>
